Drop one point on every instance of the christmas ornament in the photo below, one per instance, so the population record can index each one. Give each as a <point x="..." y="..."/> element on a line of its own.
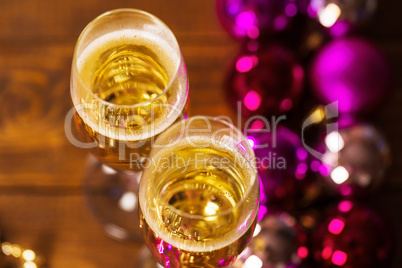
<point x="353" y="72"/>
<point x="355" y="159"/>
<point x="251" y="18"/>
<point x="332" y="12"/>
<point x="267" y="81"/>
<point x="282" y="164"/>
<point x="352" y="235"/>
<point x="278" y="242"/>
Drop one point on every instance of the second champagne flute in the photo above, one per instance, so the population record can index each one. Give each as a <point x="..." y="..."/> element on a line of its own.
<point x="199" y="194"/>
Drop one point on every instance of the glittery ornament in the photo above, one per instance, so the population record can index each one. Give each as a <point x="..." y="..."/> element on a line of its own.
<point x="352" y="236"/>
<point x="352" y="12"/>
<point x="251" y="18"/>
<point x="266" y="81"/>
<point x="355" y="159"/>
<point x="353" y="72"/>
<point x="278" y="242"/>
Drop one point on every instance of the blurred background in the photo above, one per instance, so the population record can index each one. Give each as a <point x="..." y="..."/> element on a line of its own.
<point x="42" y="204"/>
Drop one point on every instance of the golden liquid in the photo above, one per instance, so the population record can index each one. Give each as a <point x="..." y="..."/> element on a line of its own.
<point x="124" y="74"/>
<point x="205" y="185"/>
<point x="172" y="256"/>
<point x="129" y="75"/>
<point x="116" y="153"/>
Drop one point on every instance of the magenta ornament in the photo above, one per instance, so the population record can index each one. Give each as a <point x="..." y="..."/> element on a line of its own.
<point x="353" y="72"/>
<point x="267" y="81"/>
<point x="352" y="236"/>
<point x="251" y="18"/>
<point x="282" y="164"/>
<point x="355" y="159"/>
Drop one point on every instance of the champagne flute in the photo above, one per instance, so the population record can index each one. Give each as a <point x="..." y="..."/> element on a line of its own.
<point x="199" y="194"/>
<point x="128" y="84"/>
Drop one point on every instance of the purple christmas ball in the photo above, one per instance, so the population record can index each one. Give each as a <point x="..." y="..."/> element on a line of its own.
<point x="353" y="72"/>
<point x="267" y="81"/>
<point x="282" y="167"/>
<point x="352" y="236"/>
<point x="251" y="18"/>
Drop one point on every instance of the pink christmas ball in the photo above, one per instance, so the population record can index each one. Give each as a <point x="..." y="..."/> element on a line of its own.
<point x="352" y="236"/>
<point x="353" y="72"/>
<point x="283" y="169"/>
<point x="250" y="18"/>
<point x="267" y="81"/>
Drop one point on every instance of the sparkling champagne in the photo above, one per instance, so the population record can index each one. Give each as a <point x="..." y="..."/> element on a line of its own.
<point x="132" y="77"/>
<point x="193" y="207"/>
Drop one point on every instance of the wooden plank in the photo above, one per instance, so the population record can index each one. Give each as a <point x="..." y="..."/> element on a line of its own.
<point x="62" y="229"/>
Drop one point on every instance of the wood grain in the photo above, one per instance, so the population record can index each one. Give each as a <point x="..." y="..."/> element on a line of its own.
<point x="41" y="200"/>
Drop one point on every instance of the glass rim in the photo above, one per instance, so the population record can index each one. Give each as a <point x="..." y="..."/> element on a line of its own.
<point x="141" y="104"/>
<point x="253" y="180"/>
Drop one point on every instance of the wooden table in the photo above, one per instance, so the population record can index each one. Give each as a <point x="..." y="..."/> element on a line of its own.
<point x="42" y="205"/>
